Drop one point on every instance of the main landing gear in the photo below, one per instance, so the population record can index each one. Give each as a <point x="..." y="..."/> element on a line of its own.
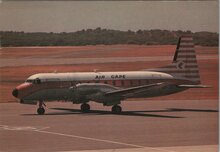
<point x="41" y="109"/>
<point x="85" y="107"/>
<point x="116" y="109"/>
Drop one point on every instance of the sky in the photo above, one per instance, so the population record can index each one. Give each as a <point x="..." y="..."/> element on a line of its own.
<point x="70" y="16"/>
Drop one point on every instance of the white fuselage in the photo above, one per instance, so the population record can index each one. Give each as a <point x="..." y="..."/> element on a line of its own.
<point x="57" y="86"/>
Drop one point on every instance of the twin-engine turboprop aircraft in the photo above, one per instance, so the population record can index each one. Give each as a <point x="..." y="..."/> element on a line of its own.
<point x="110" y="88"/>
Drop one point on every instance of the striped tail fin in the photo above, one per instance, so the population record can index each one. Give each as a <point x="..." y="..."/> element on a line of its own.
<point x="184" y="63"/>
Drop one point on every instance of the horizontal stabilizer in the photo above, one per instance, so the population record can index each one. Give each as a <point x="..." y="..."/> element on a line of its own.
<point x="122" y="92"/>
<point x="193" y="86"/>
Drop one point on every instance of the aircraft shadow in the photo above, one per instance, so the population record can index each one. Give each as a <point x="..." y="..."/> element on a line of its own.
<point x="180" y="110"/>
<point x="142" y="113"/>
<point x="102" y="112"/>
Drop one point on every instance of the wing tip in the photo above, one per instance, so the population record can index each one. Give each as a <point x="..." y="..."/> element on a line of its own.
<point x="194" y="86"/>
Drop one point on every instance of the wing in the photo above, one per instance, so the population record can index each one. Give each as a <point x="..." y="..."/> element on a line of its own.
<point x="192" y="86"/>
<point x="133" y="90"/>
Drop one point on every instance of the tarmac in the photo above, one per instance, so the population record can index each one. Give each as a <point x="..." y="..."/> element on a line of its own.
<point x="30" y="61"/>
<point x="143" y="126"/>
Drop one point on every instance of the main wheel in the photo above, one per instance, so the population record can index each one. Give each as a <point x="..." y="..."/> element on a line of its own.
<point x="85" y="107"/>
<point x="116" y="109"/>
<point x="40" y="111"/>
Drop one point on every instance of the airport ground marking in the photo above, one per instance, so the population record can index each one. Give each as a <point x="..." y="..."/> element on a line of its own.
<point x="88" y="138"/>
<point x="42" y="130"/>
<point x="201" y="148"/>
<point x="145" y="149"/>
<point x="101" y="140"/>
<point x="22" y="128"/>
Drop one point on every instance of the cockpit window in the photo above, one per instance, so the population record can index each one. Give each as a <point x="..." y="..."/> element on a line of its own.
<point x="34" y="81"/>
<point x="37" y="81"/>
<point x="29" y="80"/>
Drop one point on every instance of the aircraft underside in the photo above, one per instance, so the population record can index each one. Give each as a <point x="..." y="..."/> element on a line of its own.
<point x="83" y="96"/>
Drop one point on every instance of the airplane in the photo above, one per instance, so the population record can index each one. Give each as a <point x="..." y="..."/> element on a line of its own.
<point x="110" y="88"/>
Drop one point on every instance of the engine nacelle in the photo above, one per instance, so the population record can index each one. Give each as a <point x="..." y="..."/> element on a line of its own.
<point x="91" y="91"/>
<point x="91" y="88"/>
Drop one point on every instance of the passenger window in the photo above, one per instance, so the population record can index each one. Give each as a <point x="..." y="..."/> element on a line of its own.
<point x="131" y="83"/>
<point x="146" y="81"/>
<point x="122" y="83"/>
<point x="139" y="82"/>
<point x="72" y="83"/>
<point x="113" y="82"/>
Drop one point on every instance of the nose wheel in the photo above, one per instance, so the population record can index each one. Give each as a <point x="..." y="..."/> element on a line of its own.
<point x="85" y="107"/>
<point x="41" y="109"/>
<point x="116" y="109"/>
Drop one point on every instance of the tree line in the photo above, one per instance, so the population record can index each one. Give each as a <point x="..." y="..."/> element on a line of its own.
<point x="103" y="36"/>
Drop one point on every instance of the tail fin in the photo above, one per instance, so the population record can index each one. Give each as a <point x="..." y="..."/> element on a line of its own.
<point x="184" y="61"/>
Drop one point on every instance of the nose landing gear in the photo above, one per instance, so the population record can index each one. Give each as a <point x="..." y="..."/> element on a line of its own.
<point x="41" y="109"/>
<point x="116" y="109"/>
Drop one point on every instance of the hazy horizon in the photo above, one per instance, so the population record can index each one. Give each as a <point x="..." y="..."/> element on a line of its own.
<point x="103" y="28"/>
<point x="71" y="16"/>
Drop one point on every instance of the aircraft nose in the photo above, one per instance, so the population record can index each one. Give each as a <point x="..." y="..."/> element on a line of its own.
<point x="15" y="93"/>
